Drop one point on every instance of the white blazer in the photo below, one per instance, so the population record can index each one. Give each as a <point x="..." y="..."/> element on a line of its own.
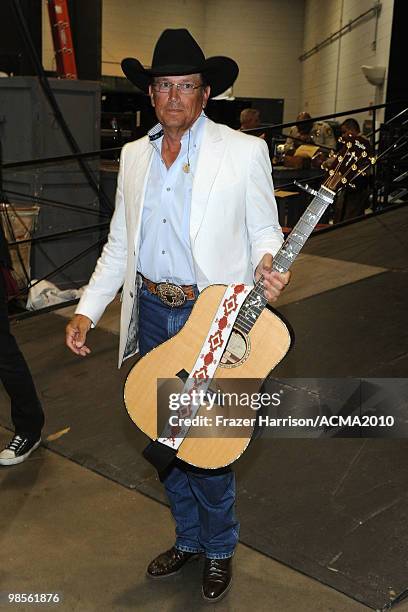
<point x="233" y="223"/>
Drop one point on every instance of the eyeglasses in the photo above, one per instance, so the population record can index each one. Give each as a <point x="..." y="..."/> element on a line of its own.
<point x="166" y="86"/>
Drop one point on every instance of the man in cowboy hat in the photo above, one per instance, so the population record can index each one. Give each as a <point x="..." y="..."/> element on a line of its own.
<point x="194" y="207"/>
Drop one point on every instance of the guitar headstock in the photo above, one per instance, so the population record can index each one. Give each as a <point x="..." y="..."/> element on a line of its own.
<point x="352" y="161"/>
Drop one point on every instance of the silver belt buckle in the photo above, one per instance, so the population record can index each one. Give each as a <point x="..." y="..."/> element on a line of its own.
<point x="171" y="295"/>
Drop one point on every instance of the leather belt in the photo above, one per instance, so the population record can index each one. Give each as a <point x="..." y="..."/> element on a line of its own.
<point x="170" y="294"/>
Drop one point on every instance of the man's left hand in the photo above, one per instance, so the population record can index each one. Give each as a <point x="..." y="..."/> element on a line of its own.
<point x="274" y="282"/>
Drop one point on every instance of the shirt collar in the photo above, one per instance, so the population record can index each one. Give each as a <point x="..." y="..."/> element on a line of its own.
<point x="157" y="131"/>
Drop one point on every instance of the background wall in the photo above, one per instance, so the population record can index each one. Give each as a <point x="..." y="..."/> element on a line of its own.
<point x="130" y="28"/>
<point x="332" y="79"/>
<point x="266" y="37"/>
<point x="254" y="33"/>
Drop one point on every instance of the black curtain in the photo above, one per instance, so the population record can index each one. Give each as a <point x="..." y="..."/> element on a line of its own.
<point x="397" y="84"/>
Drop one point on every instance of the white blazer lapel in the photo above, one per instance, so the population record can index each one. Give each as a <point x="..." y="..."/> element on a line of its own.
<point x="209" y="161"/>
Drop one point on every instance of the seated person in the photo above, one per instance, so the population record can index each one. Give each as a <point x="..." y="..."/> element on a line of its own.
<point x="312" y="132"/>
<point x="250" y="119"/>
<point x="352" y="202"/>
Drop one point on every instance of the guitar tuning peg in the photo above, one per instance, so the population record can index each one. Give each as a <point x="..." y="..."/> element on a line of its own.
<point x="344" y="180"/>
<point x="341" y="139"/>
<point x="324" y="167"/>
<point x="352" y="185"/>
<point x="373" y="160"/>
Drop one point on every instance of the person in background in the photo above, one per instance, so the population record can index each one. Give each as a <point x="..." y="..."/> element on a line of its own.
<point x="26" y="411"/>
<point x="352" y="202"/>
<point x="250" y="119"/>
<point x="312" y="132"/>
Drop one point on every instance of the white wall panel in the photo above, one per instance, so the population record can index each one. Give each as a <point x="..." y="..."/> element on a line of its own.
<point x="130" y="28"/>
<point x="332" y="80"/>
<point x="266" y="37"/>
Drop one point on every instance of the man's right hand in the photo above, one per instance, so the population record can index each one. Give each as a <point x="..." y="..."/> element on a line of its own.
<point x="75" y="334"/>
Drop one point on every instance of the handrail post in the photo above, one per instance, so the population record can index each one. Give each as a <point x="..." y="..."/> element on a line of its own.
<point x="374" y="170"/>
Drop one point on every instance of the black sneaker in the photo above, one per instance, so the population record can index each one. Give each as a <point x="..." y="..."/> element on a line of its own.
<point x="18" y="449"/>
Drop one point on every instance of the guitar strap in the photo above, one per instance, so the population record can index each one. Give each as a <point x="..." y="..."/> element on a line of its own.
<point x="208" y="360"/>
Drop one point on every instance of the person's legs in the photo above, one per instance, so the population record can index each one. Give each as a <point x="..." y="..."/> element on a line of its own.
<point x="350" y="204"/>
<point x="158" y="323"/>
<point x="184" y="508"/>
<point x="355" y="202"/>
<point x="153" y="317"/>
<point x="214" y="491"/>
<point x="26" y="411"/>
<point x="339" y="208"/>
<point x="202" y="501"/>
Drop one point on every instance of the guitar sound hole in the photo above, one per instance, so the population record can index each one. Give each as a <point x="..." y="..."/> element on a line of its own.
<point x="236" y="351"/>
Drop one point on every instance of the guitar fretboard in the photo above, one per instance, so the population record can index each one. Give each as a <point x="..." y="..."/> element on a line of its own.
<point x="256" y="301"/>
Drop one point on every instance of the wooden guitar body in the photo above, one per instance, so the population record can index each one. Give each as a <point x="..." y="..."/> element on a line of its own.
<point x="247" y="356"/>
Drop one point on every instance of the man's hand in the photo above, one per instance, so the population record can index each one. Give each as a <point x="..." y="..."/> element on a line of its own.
<point x="75" y="334"/>
<point x="274" y="282"/>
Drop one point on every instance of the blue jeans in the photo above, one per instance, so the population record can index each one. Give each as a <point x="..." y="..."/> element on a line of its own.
<point x="201" y="501"/>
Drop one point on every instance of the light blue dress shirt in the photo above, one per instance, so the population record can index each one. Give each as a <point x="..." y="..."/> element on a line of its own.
<point x="165" y="251"/>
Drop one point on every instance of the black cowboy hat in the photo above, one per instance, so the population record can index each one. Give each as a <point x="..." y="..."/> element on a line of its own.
<point x="177" y="53"/>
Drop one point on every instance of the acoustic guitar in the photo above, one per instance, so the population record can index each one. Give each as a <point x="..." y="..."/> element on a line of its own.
<point x="258" y="340"/>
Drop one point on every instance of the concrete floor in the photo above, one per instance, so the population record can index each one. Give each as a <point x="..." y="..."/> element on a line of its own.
<point x="66" y="529"/>
<point x="327" y="273"/>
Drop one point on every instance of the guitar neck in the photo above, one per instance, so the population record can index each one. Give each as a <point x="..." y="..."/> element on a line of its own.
<point x="256" y="300"/>
<point x="351" y="162"/>
<point x="302" y="230"/>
